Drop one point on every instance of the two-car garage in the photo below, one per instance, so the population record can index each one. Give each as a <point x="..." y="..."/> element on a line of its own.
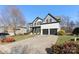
<point x="49" y="31"/>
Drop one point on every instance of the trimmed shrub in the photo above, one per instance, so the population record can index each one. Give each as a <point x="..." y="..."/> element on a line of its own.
<point x="61" y="32"/>
<point x="56" y="49"/>
<point x="76" y="31"/>
<point x="66" y="48"/>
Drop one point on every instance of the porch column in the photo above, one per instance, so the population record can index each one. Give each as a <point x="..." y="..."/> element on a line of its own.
<point x="41" y="31"/>
<point x="48" y="31"/>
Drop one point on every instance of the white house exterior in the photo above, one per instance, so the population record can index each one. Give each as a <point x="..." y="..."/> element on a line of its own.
<point x="47" y="26"/>
<point x="53" y="26"/>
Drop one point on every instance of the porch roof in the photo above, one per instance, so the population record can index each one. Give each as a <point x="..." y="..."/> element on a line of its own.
<point x="35" y="26"/>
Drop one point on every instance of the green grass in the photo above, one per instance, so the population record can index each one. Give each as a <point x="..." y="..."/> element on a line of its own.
<point x="22" y="37"/>
<point x="63" y="39"/>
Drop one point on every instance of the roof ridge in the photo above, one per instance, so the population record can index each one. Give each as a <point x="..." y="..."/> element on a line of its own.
<point x="37" y="18"/>
<point x="53" y="17"/>
<point x="45" y="17"/>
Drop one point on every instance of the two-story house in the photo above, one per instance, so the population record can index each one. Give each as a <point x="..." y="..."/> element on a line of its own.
<point x="47" y="26"/>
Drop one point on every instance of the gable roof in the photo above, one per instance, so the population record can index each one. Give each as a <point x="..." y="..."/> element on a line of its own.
<point x="56" y="18"/>
<point x="52" y="17"/>
<point x="37" y="19"/>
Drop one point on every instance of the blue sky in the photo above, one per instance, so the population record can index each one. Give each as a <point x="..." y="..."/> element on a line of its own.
<point x="32" y="11"/>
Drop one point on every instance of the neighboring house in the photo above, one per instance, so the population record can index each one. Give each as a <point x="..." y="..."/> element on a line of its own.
<point x="9" y="29"/>
<point x="2" y="29"/>
<point x="47" y="26"/>
<point x="19" y="30"/>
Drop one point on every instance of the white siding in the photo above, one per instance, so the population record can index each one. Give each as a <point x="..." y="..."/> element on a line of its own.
<point x="51" y="26"/>
<point x="48" y="18"/>
<point x="36" y="22"/>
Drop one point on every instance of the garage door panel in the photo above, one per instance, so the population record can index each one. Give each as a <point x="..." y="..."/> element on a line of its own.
<point x="53" y="31"/>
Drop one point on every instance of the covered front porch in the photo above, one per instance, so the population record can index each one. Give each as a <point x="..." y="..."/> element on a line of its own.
<point x="36" y="30"/>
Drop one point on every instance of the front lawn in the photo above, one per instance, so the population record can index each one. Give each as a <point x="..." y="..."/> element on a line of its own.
<point x="22" y="37"/>
<point x="64" y="38"/>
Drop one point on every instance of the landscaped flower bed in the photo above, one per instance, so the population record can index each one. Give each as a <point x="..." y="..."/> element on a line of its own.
<point x="9" y="39"/>
<point x="4" y="37"/>
<point x="66" y="48"/>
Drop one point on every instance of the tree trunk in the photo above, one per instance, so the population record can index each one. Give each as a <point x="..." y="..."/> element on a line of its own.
<point x="14" y="30"/>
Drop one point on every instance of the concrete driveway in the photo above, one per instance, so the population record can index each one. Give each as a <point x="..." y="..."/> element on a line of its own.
<point x="34" y="45"/>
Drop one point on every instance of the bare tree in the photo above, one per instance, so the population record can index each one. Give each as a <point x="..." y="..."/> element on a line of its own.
<point x="13" y="17"/>
<point x="77" y="23"/>
<point x="72" y="25"/>
<point x="65" y="23"/>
